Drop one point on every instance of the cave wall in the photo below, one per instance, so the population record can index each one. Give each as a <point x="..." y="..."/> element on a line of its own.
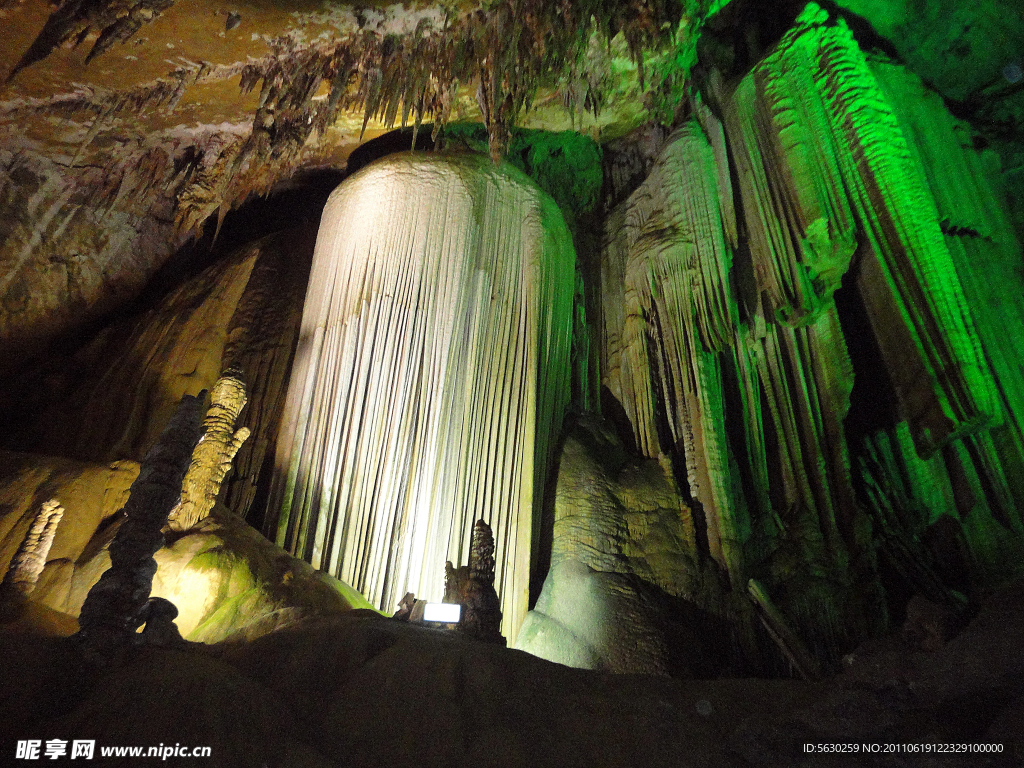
<point x="111" y="398"/>
<point x="81" y="236"/>
<point x="824" y="201"/>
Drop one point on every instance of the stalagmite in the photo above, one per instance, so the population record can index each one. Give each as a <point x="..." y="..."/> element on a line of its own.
<point x="119" y="603"/>
<point x="430" y="378"/>
<point x="30" y="559"/>
<point x="472" y="587"/>
<point x="212" y="457"/>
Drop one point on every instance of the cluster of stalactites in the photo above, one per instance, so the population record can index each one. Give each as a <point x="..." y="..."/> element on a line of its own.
<point x="697" y="331"/>
<point x="668" y="310"/>
<point x="825" y="170"/>
<point x="395" y="64"/>
<point x="430" y="378"/>
<point x="985" y="252"/>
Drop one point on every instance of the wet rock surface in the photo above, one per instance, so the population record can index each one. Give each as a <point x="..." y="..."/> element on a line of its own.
<point x="223" y="577"/>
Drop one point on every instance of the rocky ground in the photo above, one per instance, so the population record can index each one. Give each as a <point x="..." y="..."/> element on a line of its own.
<point x="361" y="690"/>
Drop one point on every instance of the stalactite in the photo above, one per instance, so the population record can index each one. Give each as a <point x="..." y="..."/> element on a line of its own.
<point x="792" y="647"/>
<point x="30" y="559"/>
<point x="800" y="224"/>
<point x="985" y="252"/>
<point x="825" y="180"/>
<point x="806" y="378"/>
<point x="214" y="453"/>
<point x="715" y="131"/>
<point x="430" y="378"/>
<point x="827" y="161"/>
<point x="624" y="358"/>
<point x="116" y="20"/>
<point x="410" y="65"/>
<point x="823" y="169"/>
<point x="897" y="216"/>
<point x="670" y="255"/>
<point x="389" y="65"/>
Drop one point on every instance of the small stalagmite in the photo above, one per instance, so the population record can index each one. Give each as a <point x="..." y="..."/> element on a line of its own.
<point x="214" y="453"/>
<point x="430" y="378"/>
<point x="472" y="587"/>
<point x="30" y="559"/>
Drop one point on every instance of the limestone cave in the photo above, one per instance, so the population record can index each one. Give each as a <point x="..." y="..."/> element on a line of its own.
<point x="512" y="383"/>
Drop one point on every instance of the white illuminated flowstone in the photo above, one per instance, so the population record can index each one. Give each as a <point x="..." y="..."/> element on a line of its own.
<point x="430" y="378"/>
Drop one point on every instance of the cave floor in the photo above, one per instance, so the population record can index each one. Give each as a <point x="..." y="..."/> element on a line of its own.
<point x="360" y="690"/>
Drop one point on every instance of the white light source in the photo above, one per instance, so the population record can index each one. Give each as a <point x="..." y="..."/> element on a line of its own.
<point x="442" y="613"/>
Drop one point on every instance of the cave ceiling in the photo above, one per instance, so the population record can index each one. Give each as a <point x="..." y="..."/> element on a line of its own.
<point x="129" y="126"/>
<point x="290" y="83"/>
<point x="90" y="76"/>
<point x="86" y="77"/>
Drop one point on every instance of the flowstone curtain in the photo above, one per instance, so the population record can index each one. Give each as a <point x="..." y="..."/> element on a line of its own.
<point x="722" y="336"/>
<point x="430" y="379"/>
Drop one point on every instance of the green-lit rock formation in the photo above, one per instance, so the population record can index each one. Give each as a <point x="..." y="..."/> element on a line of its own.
<point x="809" y="309"/>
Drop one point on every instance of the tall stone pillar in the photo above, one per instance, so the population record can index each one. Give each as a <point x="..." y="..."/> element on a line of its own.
<point x="430" y="379"/>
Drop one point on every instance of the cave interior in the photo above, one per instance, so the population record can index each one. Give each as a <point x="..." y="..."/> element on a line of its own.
<point x="710" y="309"/>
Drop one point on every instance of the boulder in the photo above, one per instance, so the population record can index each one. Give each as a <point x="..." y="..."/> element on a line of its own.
<point x="626" y="583"/>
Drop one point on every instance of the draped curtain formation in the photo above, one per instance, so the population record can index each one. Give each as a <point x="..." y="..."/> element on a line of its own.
<point x="430" y="379"/>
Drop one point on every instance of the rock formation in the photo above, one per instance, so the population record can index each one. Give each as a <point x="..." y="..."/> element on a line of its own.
<point x="224" y="578"/>
<point x="119" y="603"/>
<point x="724" y="342"/>
<point x="784" y="318"/>
<point x="30" y="559"/>
<point x="472" y="587"/>
<point x="430" y="378"/>
<point x="788" y="343"/>
<point x="211" y="459"/>
<point x="627" y="590"/>
<point x="110" y="400"/>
